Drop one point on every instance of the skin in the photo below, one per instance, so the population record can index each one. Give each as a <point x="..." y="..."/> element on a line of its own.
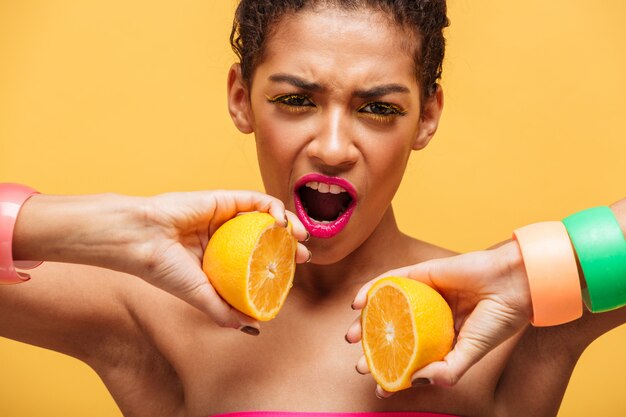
<point x="158" y="355"/>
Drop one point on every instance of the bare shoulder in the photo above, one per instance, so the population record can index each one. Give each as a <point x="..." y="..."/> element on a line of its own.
<point x="91" y="314"/>
<point x="420" y="251"/>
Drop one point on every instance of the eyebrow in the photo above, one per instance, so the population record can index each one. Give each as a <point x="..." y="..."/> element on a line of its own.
<point x="371" y="93"/>
<point x="381" y="90"/>
<point x="296" y="82"/>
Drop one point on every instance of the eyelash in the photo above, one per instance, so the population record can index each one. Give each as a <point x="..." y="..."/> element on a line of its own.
<point x="388" y="114"/>
<point x="379" y="111"/>
<point x="286" y="101"/>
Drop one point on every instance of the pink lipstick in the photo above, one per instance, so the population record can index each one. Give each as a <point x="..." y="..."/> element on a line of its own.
<point x="324" y="204"/>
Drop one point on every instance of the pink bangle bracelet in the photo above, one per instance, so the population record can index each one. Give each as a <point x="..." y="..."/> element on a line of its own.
<point x="552" y="273"/>
<point x="12" y="197"/>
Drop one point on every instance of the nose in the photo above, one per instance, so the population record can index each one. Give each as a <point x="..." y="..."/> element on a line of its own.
<point x="333" y="145"/>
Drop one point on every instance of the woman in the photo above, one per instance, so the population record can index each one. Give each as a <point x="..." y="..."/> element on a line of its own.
<point x="320" y="98"/>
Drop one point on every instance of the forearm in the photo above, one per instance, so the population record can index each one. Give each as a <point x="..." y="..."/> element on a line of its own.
<point x="74" y="309"/>
<point x="592" y="325"/>
<point x="510" y="253"/>
<point x="160" y="239"/>
<point x="97" y="230"/>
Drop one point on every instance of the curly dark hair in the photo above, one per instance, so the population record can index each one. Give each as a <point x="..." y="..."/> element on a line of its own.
<point x="425" y="18"/>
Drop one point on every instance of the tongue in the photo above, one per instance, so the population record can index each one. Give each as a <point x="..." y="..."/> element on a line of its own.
<point x="323" y="206"/>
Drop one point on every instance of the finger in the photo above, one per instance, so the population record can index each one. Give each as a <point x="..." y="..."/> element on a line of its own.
<point x="297" y="228"/>
<point x="353" y="335"/>
<point x="436" y="373"/>
<point x="228" y="204"/>
<point x="449" y="371"/>
<point x="278" y="212"/>
<point x="256" y="201"/>
<point x="303" y="255"/>
<point x="247" y="324"/>
<point x="486" y="328"/>
<point x="361" y="297"/>
<point x="434" y="271"/>
<point x="460" y="271"/>
<point x="204" y="297"/>
<point x="362" y="367"/>
<point x="381" y="393"/>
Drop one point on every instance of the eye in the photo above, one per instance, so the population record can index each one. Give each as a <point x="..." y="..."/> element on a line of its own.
<point x="381" y="109"/>
<point x="292" y="102"/>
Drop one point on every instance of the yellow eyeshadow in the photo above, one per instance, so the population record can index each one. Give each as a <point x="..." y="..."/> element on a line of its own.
<point x="282" y="101"/>
<point x="382" y="118"/>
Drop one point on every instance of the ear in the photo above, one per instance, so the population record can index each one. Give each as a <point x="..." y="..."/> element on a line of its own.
<point x="239" y="100"/>
<point x="429" y="119"/>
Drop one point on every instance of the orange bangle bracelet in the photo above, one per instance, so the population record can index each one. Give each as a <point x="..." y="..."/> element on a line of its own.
<point x="552" y="273"/>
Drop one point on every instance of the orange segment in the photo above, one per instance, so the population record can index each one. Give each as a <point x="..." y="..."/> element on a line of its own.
<point x="406" y="325"/>
<point x="250" y="261"/>
<point x="391" y="342"/>
<point x="271" y="270"/>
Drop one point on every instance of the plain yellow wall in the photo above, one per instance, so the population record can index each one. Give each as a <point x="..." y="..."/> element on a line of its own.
<point x="129" y="97"/>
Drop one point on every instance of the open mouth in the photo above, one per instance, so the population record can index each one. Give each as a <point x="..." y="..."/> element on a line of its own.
<point x="324" y="204"/>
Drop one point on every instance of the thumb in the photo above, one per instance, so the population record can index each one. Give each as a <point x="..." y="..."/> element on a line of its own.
<point x="450" y="370"/>
<point x="183" y="278"/>
<point x="205" y="298"/>
<point x="361" y="297"/>
<point x="487" y="327"/>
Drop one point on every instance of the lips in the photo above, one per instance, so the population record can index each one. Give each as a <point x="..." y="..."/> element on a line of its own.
<point x="324" y="204"/>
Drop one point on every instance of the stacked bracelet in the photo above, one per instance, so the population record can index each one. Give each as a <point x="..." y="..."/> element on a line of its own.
<point x="601" y="249"/>
<point x="552" y="273"/>
<point x="12" y="197"/>
<point x="549" y="252"/>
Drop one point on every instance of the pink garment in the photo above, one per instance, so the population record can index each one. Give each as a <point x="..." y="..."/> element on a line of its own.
<point x="309" y="414"/>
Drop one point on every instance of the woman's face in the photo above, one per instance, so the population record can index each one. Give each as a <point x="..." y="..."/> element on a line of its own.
<point x="335" y="109"/>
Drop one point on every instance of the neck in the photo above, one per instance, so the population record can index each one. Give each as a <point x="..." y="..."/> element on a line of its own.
<point x="380" y="252"/>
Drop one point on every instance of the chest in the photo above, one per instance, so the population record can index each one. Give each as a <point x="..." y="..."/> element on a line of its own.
<point x="304" y="366"/>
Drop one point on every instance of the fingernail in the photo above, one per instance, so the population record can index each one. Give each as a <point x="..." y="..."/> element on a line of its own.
<point x="308" y="236"/>
<point x="346" y="337"/>
<point x="253" y="331"/>
<point x="357" y="369"/>
<point x="310" y="257"/>
<point x="352" y="306"/>
<point x="421" y="381"/>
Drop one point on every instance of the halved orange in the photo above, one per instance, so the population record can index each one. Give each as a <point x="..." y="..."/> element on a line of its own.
<point x="250" y="261"/>
<point x="405" y="326"/>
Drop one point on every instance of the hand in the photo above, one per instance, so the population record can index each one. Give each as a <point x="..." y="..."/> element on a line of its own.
<point x="160" y="239"/>
<point x="490" y="300"/>
<point x="182" y="225"/>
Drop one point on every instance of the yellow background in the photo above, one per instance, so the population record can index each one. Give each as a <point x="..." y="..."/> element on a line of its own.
<point x="129" y="97"/>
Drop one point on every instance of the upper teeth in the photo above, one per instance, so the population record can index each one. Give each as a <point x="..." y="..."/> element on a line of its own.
<point x="324" y="188"/>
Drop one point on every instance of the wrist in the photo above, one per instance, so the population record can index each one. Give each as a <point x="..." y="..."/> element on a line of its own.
<point x="93" y="230"/>
<point x="597" y="237"/>
<point x="12" y="199"/>
<point x="514" y="271"/>
<point x="619" y="211"/>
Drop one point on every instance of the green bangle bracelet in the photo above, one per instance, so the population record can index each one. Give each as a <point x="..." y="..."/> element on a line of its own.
<point x="601" y="249"/>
